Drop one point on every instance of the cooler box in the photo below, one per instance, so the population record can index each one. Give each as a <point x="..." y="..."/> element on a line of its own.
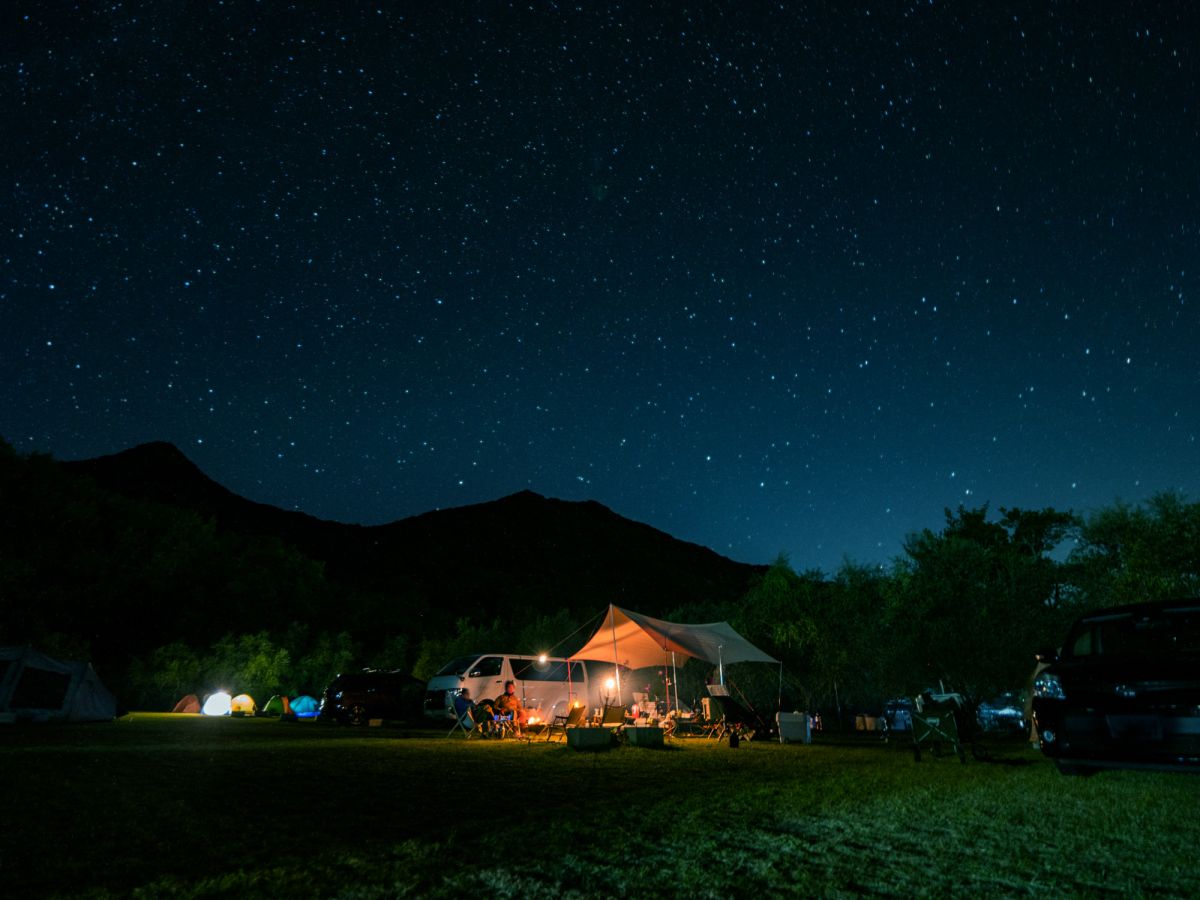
<point x="793" y="728"/>
<point x="589" y="738"/>
<point x="644" y="737"/>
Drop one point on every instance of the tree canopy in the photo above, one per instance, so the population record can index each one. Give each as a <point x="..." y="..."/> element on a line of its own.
<point x="166" y="603"/>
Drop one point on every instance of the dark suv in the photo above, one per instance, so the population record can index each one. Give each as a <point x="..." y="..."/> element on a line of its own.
<point x="355" y="698"/>
<point x="1124" y="691"/>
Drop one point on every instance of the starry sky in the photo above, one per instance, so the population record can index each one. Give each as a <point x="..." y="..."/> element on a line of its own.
<point x="770" y="277"/>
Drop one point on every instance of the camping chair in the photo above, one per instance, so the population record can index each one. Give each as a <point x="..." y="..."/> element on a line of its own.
<point x="737" y="719"/>
<point x="613" y="718"/>
<point x="934" y="721"/>
<point x="467" y="723"/>
<point x="572" y="719"/>
<point x="714" y="718"/>
<point x="502" y="725"/>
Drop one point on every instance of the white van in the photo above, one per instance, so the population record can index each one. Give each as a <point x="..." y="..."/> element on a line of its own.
<point x="542" y="683"/>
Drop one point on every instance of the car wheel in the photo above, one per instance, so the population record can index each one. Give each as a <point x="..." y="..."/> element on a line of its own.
<point x="356" y="714"/>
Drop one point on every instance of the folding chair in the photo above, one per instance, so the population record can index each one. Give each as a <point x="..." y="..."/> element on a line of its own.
<point x="572" y="719"/>
<point x="613" y="718"/>
<point x="934" y="722"/>
<point x="466" y="722"/>
<point x="502" y="725"/>
<point x="736" y="718"/>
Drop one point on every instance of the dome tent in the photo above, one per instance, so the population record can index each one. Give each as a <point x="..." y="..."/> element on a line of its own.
<point x="39" y="688"/>
<point x="188" y="703"/>
<point x="276" y="706"/>
<point x="306" y="707"/>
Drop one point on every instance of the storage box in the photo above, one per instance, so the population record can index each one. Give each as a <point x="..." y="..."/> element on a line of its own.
<point x="793" y="728"/>
<point x="589" y="738"/>
<point x="644" y="737"/>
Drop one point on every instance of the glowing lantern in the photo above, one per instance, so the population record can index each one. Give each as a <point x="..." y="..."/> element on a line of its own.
<point x="218" y="704"/>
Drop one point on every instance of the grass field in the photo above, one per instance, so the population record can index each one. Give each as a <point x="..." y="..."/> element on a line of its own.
<point x="156" y="805"/>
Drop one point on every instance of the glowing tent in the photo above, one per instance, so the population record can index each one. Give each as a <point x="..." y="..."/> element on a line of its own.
<point x="188" y="703"/>
<point x="305" y="707"/>
<point x="635" y="641"/>
<point x="242" y="705"/>
<point x="39" y="688"/>
<point x="276" y="706"/>
<point x="217" y="704"/>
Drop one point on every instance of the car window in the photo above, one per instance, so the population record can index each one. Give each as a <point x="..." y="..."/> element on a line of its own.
<point x="1083" y="644"/>
<point x="488" y="667"/>
<point x="457" y="666"/>
<point x="551" y="670"/>
<point x="1167" y="633"/>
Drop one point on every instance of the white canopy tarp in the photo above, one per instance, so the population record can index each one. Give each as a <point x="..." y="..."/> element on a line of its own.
<point x="636" y="641"/>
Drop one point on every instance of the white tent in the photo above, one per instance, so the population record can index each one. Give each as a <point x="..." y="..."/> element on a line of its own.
<point x="632" y="640"/>
<point x="37" y="687"/>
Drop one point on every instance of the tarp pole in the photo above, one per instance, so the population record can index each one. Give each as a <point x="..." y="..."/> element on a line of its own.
<point x="612" y="618"/>
<point x="780" y="702"/>
<point x="674" y="680"/>
<point x="666" y="680"/>
<point x="720" y="665"/>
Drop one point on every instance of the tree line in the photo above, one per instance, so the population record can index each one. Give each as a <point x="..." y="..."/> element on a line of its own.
<point x="966" y="607"/>
<point x="166" y="604"/>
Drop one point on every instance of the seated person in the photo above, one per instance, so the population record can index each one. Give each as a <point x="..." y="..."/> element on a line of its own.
<point x="463" y="704"/>
<point x="509" y="705"/>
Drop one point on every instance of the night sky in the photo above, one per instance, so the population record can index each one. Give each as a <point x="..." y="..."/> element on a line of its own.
<point x="769" y="278"/>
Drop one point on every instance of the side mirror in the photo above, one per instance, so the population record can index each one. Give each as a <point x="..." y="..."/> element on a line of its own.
<point x="1046" y="657"/>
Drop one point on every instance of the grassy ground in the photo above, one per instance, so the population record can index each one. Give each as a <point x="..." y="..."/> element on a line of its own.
<point x="184" y="806"/>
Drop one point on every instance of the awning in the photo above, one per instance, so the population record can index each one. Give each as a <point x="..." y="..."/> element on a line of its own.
<point x="637" y="641"/>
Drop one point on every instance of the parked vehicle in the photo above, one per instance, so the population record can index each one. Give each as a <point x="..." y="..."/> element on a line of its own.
<point x="1124" y="691"/>
<point x="547" y="685"/>
<point x="357" y="697"/>
<point x="1003" y="714"/>
<point x="897" y="714"/>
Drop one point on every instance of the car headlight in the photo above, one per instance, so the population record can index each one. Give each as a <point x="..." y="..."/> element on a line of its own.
<point x="1049" y="687"/>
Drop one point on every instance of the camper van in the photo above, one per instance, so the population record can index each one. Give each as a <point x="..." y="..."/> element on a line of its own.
<point x="546" y="685"/>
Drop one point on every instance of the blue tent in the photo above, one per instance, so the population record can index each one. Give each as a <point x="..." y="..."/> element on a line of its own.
<point x="305" y="707"/>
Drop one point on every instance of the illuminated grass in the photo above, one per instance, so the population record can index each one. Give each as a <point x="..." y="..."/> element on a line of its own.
<point x="189" y="807"/>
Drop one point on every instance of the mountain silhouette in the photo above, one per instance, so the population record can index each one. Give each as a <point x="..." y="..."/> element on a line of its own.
<point x="472" y="561"/>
